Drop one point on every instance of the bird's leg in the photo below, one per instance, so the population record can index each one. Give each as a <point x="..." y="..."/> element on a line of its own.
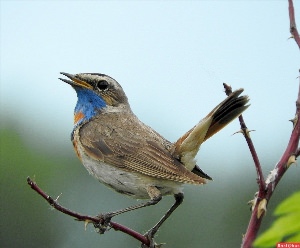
<point x="155" y="196"/>
<point x="150" y="234"/>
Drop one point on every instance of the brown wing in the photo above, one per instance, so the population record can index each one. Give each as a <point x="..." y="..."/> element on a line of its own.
<point x="124" y="142"/>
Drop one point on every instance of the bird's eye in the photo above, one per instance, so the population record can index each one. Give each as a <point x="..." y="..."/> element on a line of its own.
<point x="102" y="85"/>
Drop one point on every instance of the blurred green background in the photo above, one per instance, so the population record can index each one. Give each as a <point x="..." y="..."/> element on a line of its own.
<point x="171" y="58"/>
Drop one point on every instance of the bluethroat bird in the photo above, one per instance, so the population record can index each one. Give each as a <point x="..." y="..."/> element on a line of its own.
<point x="130" y="157"/>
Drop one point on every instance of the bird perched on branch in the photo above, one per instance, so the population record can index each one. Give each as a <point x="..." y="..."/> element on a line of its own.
<point x="130" y="157"/>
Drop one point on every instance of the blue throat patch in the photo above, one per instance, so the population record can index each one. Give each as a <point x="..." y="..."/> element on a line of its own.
<point x="88" y="104"/>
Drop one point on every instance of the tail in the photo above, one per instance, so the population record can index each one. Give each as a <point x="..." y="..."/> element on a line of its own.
<point x="187" y="146"/>
<point x="232" y="107"/>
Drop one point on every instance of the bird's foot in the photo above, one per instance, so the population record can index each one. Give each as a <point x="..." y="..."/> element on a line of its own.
<point x="150" y="236"/>
<point x="104" y="223"/>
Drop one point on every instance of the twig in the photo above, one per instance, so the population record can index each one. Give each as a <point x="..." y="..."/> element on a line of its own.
<point x="245" y="131"/>
<point x="96" y="220"/>
<point x="293" y="27"/>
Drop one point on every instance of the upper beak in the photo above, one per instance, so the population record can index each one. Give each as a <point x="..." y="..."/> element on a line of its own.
<point x="75" y="81"/>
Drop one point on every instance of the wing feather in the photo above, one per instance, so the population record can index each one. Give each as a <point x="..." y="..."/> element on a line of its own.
<point x="146" y="155"/>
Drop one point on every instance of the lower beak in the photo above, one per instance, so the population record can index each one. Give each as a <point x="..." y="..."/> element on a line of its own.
<point x="75" y="81"/>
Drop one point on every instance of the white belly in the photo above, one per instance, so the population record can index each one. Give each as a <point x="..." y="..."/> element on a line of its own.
<point x="132" y="184"/>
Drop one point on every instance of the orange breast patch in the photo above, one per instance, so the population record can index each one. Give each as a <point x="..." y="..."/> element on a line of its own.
<point x="78" y="116"/>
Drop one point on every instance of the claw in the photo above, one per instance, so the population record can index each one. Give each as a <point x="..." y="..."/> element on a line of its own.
<point x="86" y="222"/>
<point x="150" y="236"/>
<point x="104" y="223"/>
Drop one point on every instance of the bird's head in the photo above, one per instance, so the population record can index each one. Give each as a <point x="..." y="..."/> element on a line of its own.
<point x="95" y="92"/>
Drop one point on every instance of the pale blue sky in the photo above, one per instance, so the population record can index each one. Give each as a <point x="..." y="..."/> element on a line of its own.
<point x="170" y="57"/>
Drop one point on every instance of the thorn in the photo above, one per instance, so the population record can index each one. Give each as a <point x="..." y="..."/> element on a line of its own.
<point x="292" y="160"/>
<point x="245" y="132"/>
<point x="248" y="132"/>
<point x="294" y="120"/>
<point x="86" y="222"/>
<point x="253" y="202"/>
<point x="58" y="197"/>
<point x="262" y="208"/>
<point x="240" y="131"/>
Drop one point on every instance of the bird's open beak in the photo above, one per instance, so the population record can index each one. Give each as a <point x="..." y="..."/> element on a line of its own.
<point x="75" y="81"/>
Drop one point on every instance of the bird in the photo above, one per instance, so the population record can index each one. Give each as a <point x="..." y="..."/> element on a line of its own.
<point x="130" y="157"/>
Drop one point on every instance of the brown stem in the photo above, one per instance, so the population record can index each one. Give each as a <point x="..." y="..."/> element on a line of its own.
<point x="277" y="173"/>
<point x="245" y="131"/>
<point x="291" y="153"/>
<point x="266" y="188"/>
<point x="293" y="27"/>
<point x="96" y="220"/>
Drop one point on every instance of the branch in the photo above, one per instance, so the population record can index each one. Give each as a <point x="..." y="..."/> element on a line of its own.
<point x="261" y="201"/>
<point x="292" y="151"/>
<point x="97" y="221"/>
<point x="266" y="188"/>
<point x="293" y="27"/>
<point x="246" y="133"/>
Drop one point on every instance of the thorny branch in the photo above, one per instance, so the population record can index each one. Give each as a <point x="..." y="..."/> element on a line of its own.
<point x="96" y="220"/>
<point x="267" y="187"/>
<point x="293" y="27"/>
<point x="246" y="132"/>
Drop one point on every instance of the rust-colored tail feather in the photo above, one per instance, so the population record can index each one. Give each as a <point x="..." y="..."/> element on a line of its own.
<point x="187" y="146"/>
<point x="232" y="107"/>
